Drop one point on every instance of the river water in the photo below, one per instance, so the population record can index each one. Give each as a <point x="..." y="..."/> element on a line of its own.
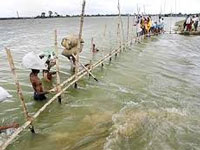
<point x="148" y="98"/>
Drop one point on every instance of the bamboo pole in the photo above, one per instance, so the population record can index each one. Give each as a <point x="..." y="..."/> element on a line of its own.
<point x="128" y="24"/>
<point x="119" y="36"/>
<point x="79" y="40"/>
<point x="19" y="89"/>
<point x="57" y="68"/>
<point x="104" y="40"/>
<point x="132" y="23"/>
<point x="121" y="26"/>
<point x="89" y="72"/>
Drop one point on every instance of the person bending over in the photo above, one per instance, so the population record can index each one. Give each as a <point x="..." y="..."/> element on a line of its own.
<point x="39" y="93"/>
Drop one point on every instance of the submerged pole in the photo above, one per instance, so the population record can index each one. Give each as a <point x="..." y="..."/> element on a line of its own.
<point x="79" y="41"/>
<point x="19" y="89"/>
<point x="57" y="68"/>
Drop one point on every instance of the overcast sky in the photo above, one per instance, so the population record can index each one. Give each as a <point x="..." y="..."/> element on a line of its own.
<point x="8" y="8"/>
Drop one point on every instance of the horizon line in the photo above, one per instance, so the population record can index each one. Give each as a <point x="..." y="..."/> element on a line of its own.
<point x="98" y="14"/>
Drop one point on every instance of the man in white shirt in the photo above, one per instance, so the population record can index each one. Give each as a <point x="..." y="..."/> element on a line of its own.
<point x="196" y="22"/>
<point x="138" y="30"/>
<point x="189" y="23"/>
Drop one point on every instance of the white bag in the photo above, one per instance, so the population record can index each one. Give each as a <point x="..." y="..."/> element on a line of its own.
<point x="4" y="94"/>
<point x="33" y="61"/>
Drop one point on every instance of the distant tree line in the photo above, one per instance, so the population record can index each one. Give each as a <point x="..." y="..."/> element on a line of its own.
<point x="52" y="14"/>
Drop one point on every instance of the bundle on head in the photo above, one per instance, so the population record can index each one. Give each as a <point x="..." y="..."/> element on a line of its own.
<point x="70" y="44"/>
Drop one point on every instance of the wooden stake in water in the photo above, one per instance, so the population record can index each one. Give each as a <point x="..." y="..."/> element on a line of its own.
<point x="19" y="89"/>
<point x="128" y="28"/>
<point x="79" y="41"/>
<point x="121" y="27"/>
<point x="119" y="37"/>
<point x="132" y="29"/>
<point x="57" y="68"/>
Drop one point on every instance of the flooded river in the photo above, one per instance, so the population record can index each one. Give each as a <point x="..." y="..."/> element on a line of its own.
<point x="148" y="98"/>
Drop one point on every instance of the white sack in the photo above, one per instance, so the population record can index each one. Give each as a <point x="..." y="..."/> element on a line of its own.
<point x="4" y="94"/>
<point x="33" y="61"/>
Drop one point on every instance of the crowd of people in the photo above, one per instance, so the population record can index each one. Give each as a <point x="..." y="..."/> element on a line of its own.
<point x="145" y="26"/>
<point x="191" y="23"/>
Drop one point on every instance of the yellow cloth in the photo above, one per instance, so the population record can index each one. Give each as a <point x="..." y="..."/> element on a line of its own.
<point x="149" y="25"/>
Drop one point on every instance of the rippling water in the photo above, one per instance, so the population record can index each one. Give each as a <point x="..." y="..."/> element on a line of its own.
<point x="147" y="98"/>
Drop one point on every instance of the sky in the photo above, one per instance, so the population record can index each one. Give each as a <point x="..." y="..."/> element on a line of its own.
<point x="31" y="8"/>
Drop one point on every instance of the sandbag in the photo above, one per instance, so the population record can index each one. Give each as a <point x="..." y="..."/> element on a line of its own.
<point x="33" y="61"/>
<point x="72" y="51"/>
<point x="70" y="42"/>
<point x="4" y="94"/>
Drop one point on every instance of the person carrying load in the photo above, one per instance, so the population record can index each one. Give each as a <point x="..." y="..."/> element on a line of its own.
<point x="70" y="44"/>
<point x="33" y="62"/>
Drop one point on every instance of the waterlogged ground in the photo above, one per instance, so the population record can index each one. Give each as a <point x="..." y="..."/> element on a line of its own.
<point x="146" y="99"/>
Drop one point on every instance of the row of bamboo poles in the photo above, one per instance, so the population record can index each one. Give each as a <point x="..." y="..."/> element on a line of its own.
<point x="62" y="87"/>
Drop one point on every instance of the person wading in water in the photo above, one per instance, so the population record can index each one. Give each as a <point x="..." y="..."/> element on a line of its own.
<point x="39" y="93"/>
